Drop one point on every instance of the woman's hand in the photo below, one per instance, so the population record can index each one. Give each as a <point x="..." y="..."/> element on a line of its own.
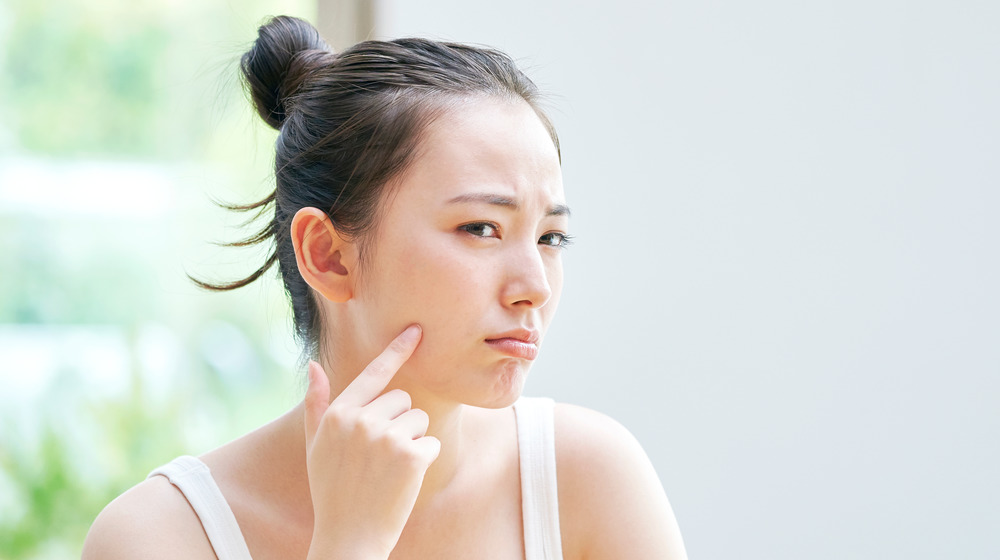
<point x="366" y="456"/>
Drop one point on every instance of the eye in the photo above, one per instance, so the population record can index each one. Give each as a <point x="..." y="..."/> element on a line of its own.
<point x="556" y="239"/>
<point x="481" y="229"/>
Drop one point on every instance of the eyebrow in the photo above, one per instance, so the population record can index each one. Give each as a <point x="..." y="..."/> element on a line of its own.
<point x="506" y="202"/>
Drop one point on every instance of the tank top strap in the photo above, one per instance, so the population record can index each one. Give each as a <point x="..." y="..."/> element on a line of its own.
<point x="195" y="481"/>
<point x="539" y="488"/>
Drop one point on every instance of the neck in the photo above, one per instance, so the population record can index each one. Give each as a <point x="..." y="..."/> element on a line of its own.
<point x="446" y="424"/>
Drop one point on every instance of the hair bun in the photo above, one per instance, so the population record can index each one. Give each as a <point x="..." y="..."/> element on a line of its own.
<point x="274" y="68"/>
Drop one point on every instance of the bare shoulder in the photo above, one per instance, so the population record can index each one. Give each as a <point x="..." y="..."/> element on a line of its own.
<point x="611" y="501"/>
<point x="151" y="520"/>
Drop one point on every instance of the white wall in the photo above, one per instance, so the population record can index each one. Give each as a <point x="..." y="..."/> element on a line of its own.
<point x="787" y="269"/>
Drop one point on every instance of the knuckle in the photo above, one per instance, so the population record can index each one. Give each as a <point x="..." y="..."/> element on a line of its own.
<point x="377" y="369"/>
<point x="403" y="396"/>
<point x="337" y="416"/>
<point x="410" y="456"/>
<point x="389" y="443"/>
<point x="421" y="417"/>
<point x="367" y="425"/>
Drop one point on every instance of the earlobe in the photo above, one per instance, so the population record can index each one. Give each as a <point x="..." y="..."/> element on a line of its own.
<point x="325" y="259"/>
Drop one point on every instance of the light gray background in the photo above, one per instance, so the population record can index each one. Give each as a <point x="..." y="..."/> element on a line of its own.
<point x="785" y="281"/>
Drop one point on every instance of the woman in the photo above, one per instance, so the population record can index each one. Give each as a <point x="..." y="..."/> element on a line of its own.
<point x="419" y="220"/>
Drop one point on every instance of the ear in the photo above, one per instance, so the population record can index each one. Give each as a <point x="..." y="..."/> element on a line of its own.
<point x="326" y="261"/>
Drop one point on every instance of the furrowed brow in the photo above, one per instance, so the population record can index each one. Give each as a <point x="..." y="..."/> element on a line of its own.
<point x="487" y="198"/>
<point x="559" y="210"/>
<point x="506" y="202"/>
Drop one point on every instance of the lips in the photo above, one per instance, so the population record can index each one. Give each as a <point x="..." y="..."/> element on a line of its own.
<point x="518" y="343"/>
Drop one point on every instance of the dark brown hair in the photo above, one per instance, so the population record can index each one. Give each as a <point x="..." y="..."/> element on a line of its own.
<point x="349" y="123"/>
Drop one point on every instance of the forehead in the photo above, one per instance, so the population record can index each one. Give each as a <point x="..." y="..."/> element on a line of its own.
<point x="482" y="145"/>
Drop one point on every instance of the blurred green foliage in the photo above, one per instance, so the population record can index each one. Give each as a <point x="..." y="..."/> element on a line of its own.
<point x="151" y="86"/>
<point x="61" y="501"/>
<point x="67" y="66"/>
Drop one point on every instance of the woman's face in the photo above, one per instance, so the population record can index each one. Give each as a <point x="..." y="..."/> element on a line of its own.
<point x="469" y="246"/>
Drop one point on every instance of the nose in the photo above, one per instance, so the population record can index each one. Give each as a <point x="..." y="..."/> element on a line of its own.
<point x="527" y="282"/>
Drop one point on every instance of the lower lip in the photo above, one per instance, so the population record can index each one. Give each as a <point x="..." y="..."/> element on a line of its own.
<point x="514" y="347"/>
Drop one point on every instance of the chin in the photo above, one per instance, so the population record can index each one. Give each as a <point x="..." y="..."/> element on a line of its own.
<point x="497" y="385"/>
<point x="497" y="402"/>
<point x="505" y="389"/>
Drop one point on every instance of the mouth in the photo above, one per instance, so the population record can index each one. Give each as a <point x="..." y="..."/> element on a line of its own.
<point x="520" y="343"/>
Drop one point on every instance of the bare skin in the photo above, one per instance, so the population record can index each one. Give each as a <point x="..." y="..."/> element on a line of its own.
<point x="627" y="517"/>
<point x="405" y="445"/>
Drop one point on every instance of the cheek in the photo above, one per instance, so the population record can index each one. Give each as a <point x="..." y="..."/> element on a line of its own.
<point x="436" y="284"/>
<point x="456" y="283"/>
<point x="448" y="294"/>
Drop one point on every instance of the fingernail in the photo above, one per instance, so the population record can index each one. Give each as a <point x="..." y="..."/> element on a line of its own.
<point x="413" y="332"/>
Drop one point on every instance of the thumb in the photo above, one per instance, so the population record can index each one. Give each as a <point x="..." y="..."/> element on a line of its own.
<point x="317" y="399"/>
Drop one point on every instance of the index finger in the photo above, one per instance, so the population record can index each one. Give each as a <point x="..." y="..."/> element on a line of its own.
<point x="372" y="380"/>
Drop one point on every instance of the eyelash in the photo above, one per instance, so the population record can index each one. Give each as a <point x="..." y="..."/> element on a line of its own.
<point x="565" y="240"/>
<point x="468" y="228"/>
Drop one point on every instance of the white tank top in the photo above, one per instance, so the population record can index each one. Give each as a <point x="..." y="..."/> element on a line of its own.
<point x="539" y="496"/>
